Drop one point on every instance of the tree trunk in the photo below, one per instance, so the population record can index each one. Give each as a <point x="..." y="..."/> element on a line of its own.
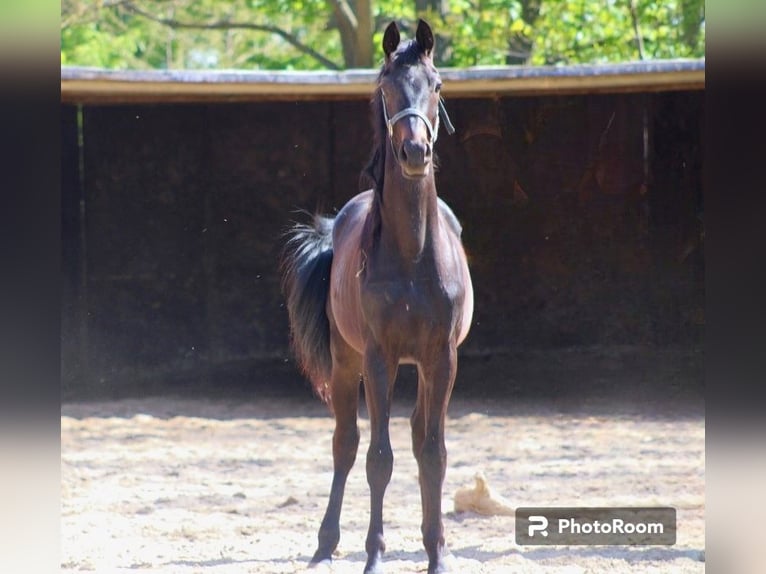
<point x="364" y="50"/>
<point x="519" y="46"/>
<point x="692" y="15"/>
<point x="355" y="26"/>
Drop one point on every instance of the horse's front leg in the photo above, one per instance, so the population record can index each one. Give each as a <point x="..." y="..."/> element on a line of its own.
<point x="379" y="374"/>
<point x="436" y="379"/>
<point x="344" y="400"/>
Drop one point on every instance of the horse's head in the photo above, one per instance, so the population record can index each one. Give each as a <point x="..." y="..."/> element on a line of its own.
<point x="409" y="88"/>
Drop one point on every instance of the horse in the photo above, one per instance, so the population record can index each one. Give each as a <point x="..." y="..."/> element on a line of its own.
<point x="383" y="283"/>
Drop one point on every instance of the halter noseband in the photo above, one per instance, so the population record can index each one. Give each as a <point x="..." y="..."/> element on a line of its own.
<point x="433" y="130"/>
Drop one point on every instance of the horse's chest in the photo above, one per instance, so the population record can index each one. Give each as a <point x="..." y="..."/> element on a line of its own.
<point x="409" y="309"/>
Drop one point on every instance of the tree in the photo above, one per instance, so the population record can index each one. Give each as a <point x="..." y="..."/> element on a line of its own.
<point x="572" y="31"/>
<point x="337" y="34"/>
<point x="355" y="27"/>
<point x="520" y="41"/>
<point x="199" y="34"/>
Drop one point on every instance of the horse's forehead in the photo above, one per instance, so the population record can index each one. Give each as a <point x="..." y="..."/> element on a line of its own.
<point x="412" y="76"/>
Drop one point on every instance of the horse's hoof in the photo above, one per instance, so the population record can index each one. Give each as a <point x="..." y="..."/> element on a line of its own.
<point x="374" y="565"/>
<point x="321" y="566"/>
<point x="443" y="565"/>
<point x="321" y="561"/>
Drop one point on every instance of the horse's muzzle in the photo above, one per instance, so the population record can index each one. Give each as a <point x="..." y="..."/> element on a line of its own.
<point x="415" y="158"/>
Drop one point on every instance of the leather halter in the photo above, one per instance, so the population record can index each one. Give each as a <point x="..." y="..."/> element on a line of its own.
<point x="433" y="130"/>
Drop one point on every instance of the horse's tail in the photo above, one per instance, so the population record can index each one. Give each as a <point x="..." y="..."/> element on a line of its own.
<point x="306" y="262"/>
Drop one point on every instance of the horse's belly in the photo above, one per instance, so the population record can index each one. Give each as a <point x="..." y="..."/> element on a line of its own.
<point x="346" y="319"/>
<point x="345" y="304"/>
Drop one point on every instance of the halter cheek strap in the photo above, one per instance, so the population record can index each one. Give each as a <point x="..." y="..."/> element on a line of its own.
<point x="443" y="115"/>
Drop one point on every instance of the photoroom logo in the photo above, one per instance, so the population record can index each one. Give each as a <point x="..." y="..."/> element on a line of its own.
<point x="537" y="524"/>
<point x="589" y="525"/>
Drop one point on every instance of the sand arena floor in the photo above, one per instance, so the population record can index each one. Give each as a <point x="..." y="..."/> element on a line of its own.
<point x="174" y="485"/>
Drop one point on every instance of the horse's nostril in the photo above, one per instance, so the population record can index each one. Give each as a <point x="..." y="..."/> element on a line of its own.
<point x="415" y="153"/>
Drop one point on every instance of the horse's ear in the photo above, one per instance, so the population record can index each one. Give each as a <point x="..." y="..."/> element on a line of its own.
<point x="425" y="37"/>
<point x="390" y="39"/>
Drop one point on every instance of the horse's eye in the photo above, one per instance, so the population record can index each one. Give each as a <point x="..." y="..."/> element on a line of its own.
<point x="438" y="87"/>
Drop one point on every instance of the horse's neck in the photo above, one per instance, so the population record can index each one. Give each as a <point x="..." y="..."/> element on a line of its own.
<point x="409" y="215"/>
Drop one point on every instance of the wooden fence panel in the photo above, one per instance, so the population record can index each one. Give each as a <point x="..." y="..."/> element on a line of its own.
<point x="144" y="174"/>
<point x="264" y="162"/>
<point x="581" y="216"/>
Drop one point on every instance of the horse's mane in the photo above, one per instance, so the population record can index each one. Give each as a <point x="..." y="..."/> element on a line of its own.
<point x="372" y="176"/>
<point x="373" y="173"/>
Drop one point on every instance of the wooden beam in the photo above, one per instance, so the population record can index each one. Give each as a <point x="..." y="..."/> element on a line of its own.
<point x="88" y="85"/>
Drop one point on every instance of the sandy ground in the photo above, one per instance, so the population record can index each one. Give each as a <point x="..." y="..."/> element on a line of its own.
<point x="178" y="485"/>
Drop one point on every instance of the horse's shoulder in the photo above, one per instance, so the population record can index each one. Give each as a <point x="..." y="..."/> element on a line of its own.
<point x="364" y="197"/>
<point x="450" y="217"/>
<point x="352" y="213"/>
<point x="360" y="202"/>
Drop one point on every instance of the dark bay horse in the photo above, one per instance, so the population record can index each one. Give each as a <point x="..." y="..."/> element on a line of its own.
<point x="383" y="283"/>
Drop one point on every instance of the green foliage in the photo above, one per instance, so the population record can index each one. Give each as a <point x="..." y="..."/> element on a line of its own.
<point x="117" y="45"/>
<point x="124" y="34"/>
<point x="478" y="30"/>
<point x="592" y="31"/>
<point x="114" y="35"/>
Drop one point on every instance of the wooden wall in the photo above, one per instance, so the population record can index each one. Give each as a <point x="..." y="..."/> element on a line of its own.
<point x="582" y="217"/>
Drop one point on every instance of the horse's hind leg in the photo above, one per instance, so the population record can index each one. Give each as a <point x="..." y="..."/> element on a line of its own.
<point x="436" y="379"/>
<point x="345" y="441"/>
